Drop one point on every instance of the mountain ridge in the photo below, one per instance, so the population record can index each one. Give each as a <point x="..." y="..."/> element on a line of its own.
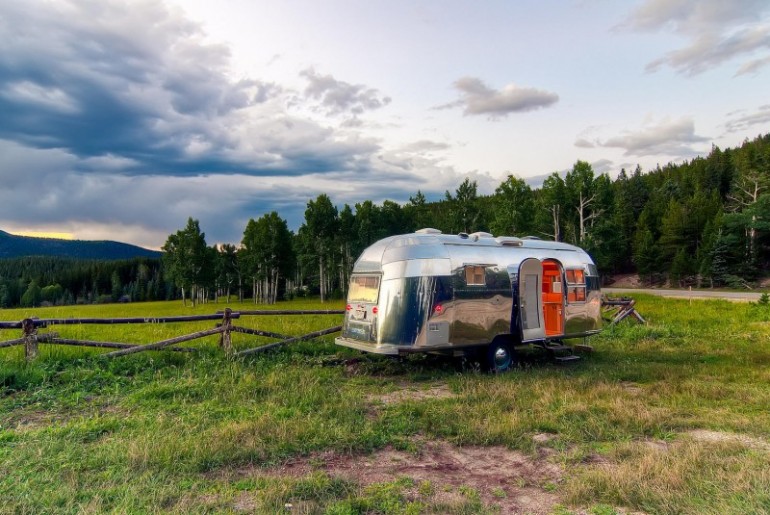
<point x="13" y="246"/>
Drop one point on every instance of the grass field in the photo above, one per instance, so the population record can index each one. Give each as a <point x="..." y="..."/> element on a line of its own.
<point x="672" y="417"/>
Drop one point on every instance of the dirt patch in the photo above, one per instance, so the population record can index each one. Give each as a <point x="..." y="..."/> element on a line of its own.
<point x="704" y="435"/>
<point x="509" y="480"/>
<point x="412" y="392"/>
<point x="658" y="445"/>
<point x="543" y="438"/>
<point x="244" y="502"/>
<point x="625" y="281"/>
<point x="596" y="459"/>
<point x="631" y="388"/>
<point x="33" y="420"/>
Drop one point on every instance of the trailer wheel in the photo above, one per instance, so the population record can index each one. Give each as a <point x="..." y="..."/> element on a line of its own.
<point x="500" y="357"/>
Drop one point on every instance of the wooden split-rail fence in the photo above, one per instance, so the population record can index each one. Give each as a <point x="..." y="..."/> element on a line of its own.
<point x="31" y="339"/>
<point x="616" y="309"/>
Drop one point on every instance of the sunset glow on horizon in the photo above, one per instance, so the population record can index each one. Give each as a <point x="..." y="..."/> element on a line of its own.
<point x="41" y="234"/>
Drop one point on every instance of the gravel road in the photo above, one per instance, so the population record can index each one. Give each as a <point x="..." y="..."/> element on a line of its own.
<point x="736" y="296"/>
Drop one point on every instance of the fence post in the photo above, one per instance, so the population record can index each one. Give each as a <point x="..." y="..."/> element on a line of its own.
<point x="30" y="338"/>
<point x="225" y="340"/>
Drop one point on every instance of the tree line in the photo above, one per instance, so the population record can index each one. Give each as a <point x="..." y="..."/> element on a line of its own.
<point x="47" y="280"/>
<point x="704" y="222"/>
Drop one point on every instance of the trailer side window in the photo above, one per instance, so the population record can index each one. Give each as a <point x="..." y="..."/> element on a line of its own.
<point x="576" y="285"/>
<point x="474" y="275"/>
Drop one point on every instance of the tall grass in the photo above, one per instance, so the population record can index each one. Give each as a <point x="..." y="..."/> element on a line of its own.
<point x="169" y="431"/>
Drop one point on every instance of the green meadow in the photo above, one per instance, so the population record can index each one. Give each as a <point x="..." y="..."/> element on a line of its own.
<point x="670" y="417"/>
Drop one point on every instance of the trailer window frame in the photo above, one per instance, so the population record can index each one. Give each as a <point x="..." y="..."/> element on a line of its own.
<point x="576" y="285"/>
<point x="475" y="275"/>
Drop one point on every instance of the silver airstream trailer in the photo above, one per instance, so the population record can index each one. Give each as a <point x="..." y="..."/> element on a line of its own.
<point x="434" y="292"/>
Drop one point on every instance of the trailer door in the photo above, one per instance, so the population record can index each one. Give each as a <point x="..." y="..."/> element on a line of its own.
<point x="531" y="299"/>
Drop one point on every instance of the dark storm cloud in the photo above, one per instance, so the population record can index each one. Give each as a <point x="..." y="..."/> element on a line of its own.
<point x="476" y="98"/>
<point x="137" y="82"/>
<point x="41" y="187"/>
<point x="120" y="119"/>
<point x="339" y="97"/>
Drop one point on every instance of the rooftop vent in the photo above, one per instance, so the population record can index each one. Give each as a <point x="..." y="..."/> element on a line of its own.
<point x="509" y="241"/>
<point x="428" y="230"/>
<point x="476" y="235"/>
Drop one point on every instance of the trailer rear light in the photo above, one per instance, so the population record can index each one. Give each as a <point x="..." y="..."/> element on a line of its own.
<point x="374" y="310"/>
<point x="438" y="309"/>
<point x="348" y="307"/>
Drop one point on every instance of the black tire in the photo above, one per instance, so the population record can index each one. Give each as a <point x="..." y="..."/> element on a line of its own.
<point x="500" y="357"/>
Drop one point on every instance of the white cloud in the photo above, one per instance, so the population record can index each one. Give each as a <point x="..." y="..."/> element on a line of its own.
<point x="602" y="166"/>
<point x="584" y="143"/>
<point x="27" y="92"/>
<point x="425" y="146"/>
<point x="668" y="137"/>
<point x="339" y="97"/>
<point x="476" y="98"/>
<point x="753" y="67"/>
<point x="717" y="31"/>
<point x="741" y="121"/>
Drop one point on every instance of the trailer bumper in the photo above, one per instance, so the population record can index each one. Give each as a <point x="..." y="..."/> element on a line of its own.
<point x="388" y="349"/>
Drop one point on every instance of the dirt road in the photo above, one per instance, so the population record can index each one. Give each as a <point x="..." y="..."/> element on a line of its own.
<point x="735" y="296"/>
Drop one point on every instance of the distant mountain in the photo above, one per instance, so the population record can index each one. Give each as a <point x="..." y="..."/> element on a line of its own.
<point x="12" y="246"/>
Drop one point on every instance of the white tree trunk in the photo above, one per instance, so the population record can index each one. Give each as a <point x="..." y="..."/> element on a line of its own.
<point x="322" y="278"/>
<point x="555" y="216"/>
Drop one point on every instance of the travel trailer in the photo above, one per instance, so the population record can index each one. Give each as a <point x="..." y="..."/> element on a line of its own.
<point x="470" y="293"/>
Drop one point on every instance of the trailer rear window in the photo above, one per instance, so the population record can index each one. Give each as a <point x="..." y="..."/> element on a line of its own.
<point x="364" y="288"/>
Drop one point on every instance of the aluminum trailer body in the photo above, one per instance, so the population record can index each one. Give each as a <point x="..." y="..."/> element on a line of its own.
<point x="427" y="291"/>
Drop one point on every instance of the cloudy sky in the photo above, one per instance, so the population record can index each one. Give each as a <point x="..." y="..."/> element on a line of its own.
<point x="121" y="119"/>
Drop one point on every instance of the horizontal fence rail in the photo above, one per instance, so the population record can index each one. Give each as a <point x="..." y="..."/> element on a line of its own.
<point x="106" y="321"/>
<point x="30" y="337"/>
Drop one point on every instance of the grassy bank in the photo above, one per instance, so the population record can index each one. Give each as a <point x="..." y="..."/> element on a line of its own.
<point x="666" y="418"/>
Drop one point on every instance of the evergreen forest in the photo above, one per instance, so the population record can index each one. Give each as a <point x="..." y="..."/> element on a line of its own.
<point x="701" y="223"/>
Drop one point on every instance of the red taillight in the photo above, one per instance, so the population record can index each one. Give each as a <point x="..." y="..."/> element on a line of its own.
<point x="438" y="309"/>
<point x="375" y="310"/>
<point x="348" y="307"/>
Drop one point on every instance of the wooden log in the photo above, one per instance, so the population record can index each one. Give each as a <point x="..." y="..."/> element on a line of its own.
<point x="616" y="302"/>
<point x="225" y="341"/>
<point x="11" y="343"/>
<point x="308" y="336"/>
<point x="164" y="343"/>
<point x="293" y="312"/>
<point x="110" y="345"/>
<point x="110" y="321"/>
<point x="30" y="339"/>
<point x="41" y="338"/>
<point x="20" y="325"/>
<point x="259" y="332"/>
<point x="620" y="316"/>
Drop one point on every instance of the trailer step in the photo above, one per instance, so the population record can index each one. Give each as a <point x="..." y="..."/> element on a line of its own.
<point x="557" y="347"/>
<point x="566" y="359"/>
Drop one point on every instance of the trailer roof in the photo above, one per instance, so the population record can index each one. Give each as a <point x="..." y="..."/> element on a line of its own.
<point x="431" y="243"/>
